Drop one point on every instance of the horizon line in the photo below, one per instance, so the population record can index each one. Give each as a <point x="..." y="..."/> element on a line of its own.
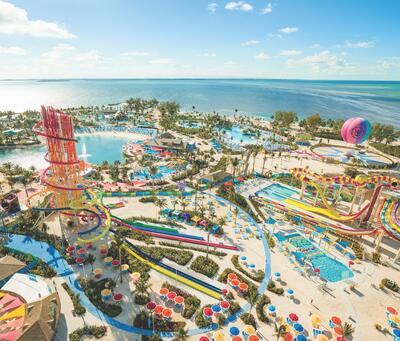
<point x="195" y="78"/>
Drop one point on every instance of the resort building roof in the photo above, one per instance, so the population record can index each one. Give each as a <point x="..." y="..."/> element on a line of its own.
<point x="216" y="177"/>
<point x="9" y="265"/>
<point x="30" y="287"/>
<point x="29" y="309"/>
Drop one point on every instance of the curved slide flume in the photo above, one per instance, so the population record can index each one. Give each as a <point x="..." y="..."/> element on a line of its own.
<point x="169" y="271"/>
<point x="385" y="217"/>
<point x="328" y="211"/>
<point x="175" y="238"/>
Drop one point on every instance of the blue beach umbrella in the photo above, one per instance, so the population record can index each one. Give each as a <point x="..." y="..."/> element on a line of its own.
<point x="252" y="266"/>
<point x="216" y="309"/>
<point x="290" y="291"/>
<point x="243" y="258"/>
<point x="234" y="331"/>
<point x="301" y="337"/>
<point x="396" y="332"/>
<point x="298" y="327"/>
<point x="271" y="308"/>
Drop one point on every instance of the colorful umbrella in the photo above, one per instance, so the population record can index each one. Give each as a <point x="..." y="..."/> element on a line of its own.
<point x="288" y="337"/>
<point x="293" y="317"/>
<point x="253" y="338"/>
<point x="80" y="260"/>
<point x="216" y="309"/>
<point x="151" y="305"/>
<point x="237" y="338"/>
<point x="164" y="291"/>
<point x="218" y="336"/>
<point x="243" y="286"/>
<point x="322" y="337"/>
<point x="233" y="331"/>
<point x="179" y="300"/>
<point x="271" y="308"/>
<point x="225" y="305"/>
<point x="315" y="318"/>
<point x="301" y="337"/>
<point x="396" y="332"/>
<point x="338" y="331"/>
<point x="298" y="327"/>
<point x="158" y="309"/>
<point x="167" y="313"/>
<point x="171" y="295"/>
<point x="391" y="310"/>
<point x="249" y="329"/>
<point x="232" y="276"/>
<point x="336" y="320"/>
<point x="316" y="270"/>
<point x="207" y="312"/>
<point x="204" y="338"/>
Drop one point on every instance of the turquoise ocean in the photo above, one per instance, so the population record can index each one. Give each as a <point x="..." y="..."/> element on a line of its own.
<point x="374" y="100"/>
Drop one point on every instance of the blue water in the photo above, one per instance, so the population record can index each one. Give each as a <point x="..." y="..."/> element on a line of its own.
<point x="330" y="269"/>
<point x="162" y="171"/>
<point x="98" y="147"/>
<point x="377" y="101"/>
<point x="277" y="192"/>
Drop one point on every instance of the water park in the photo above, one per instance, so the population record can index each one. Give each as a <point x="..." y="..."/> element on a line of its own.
<point x="239" y="234"/>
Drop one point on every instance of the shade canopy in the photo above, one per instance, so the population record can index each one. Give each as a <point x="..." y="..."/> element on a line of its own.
<point x="249" y="329"/>
<point x="293" y="317"/>
<point x="392" y="310"/>
<point x="336" y="320"/>
<point x="234" y="331"/>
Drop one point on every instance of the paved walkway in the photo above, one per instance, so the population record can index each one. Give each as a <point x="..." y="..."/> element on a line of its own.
<point x="52" y="257"/>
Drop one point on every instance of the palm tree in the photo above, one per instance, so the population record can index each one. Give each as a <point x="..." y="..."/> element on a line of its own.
<point x="253" y="299"/>
<point x="196" y="187"/>
<point x="236" y="212"/>
<point x="91" y="259"/>
<point x="221" y="222"/>
<point x="24" y="181"/>
<point x="181" y="335"/>
<point x="160" y="203"/>
<point x="279" y="330"/>
<point x="235" y="163"/>
<point x="153" y="172"/>
<point x="348" y="329"/>
<point x="142" y="286"/>
<point x="184" y="203"/>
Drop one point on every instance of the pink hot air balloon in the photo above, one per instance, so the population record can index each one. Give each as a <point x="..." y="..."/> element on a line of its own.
<point x="356" y="130"/>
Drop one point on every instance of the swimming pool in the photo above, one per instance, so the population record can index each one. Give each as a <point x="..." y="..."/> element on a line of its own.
<point x="276" y="192"/>
<point x="330" y="269"/>
<point x="144" y="174"/>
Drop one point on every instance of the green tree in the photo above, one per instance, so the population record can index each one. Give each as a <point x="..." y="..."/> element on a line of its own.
<point x="91" y="259"/>
<point x="153" y="172"/>
<point x="284" y="119"/>
<point x="279" y="330"/>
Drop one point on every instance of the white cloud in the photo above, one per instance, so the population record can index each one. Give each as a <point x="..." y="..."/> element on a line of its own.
<point x="14" y="20"/>
<point x="357" y="45"/>
<point x="250" y="42"/>
<point x="289" y="30"/>
<point x="261" y="56"/>
<point x="90" y="56"/>
<point x="238" y="6"/>
<point x="315" y="46"/>
<point x="212" y="8"/>
<point x="389" y="63"/>
<point x="134" y="54"/>
<point x="163" y="61"/>
<point x="12" y="50"/>
<point x="58" y="51"/>
<point x="290" y="53"/>
<point x="274" y="35"/>
<point x="267" y="9"/>
<point x="209" y="54"/>
<point x="230" y="62"/>
<point x="322" y="62"/>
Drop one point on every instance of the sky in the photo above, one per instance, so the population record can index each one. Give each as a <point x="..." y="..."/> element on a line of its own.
<point x="300" y="39"/>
